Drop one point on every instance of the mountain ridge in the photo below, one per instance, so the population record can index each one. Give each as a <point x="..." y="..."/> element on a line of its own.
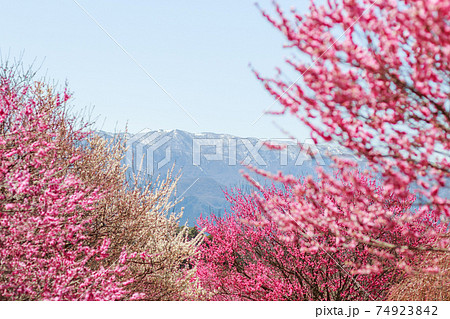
<point x="211" y="162"/>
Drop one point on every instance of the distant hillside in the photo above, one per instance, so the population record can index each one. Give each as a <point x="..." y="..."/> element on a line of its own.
<point x="210" y="163"/>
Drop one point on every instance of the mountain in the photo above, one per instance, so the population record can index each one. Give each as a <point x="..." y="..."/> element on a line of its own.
<point x="209" y="163"/>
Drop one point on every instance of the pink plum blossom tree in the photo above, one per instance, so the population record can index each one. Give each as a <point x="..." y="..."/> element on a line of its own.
<point x="44" y="209"/>
<point x="250" y="256"/>
<point x="373" y="76"/>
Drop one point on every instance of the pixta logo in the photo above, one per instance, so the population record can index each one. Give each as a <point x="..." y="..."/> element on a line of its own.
<point x="141" y="151"/>
<point x="149" y="151"/>
<point x="226" y="149"/>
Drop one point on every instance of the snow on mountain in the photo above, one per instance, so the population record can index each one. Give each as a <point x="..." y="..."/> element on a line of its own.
<point x="210" y="163"/>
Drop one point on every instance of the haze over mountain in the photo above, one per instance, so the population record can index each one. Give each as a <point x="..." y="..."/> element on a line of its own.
<point x="210" y="163"/>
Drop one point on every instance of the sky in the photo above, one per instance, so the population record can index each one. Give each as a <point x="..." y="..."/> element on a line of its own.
<point x="199" y="51"/>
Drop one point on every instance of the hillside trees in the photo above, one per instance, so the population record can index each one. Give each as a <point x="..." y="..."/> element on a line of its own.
<point x="72" y="227"/>
<point x="249" y="257"/>
<point x="374" y="77"/>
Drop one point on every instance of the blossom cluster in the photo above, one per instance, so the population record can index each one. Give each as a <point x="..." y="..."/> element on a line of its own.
<point x="43" y="212"/>
<point x="373" y="77"/>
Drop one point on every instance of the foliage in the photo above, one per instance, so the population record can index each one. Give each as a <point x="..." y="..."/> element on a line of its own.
<point x="192" y="232"/>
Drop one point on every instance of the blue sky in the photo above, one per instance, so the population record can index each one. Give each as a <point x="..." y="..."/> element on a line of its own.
<point x="199" y="51"/>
